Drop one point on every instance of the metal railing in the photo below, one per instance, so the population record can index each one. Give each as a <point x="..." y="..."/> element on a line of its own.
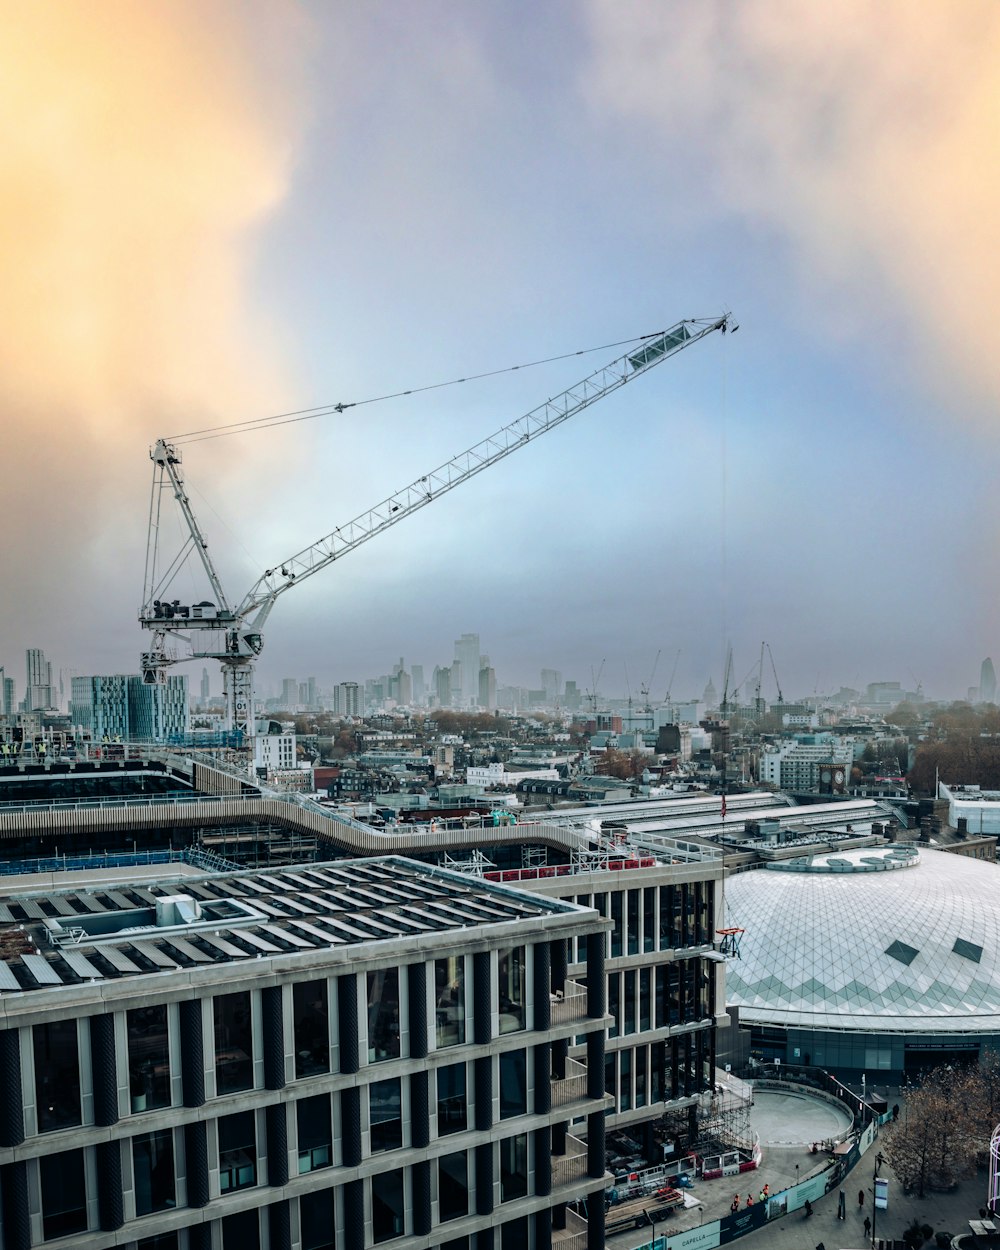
<point x="573" y="1236"/>
<point x="570" y="1167"/>
<point x="572" y="1087"/>
<point x="571" y="1006"/>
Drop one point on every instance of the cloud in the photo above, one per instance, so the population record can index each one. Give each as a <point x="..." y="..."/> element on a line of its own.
<point x="144" y="146"/>
<point x="863" y="134"/>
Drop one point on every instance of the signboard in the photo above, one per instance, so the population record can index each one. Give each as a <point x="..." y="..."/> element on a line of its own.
<point x="704" y="1237"/>
<point x="881" y="1193"/>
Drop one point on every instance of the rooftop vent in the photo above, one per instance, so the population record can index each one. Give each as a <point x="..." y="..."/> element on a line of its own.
<point x="173" y="909"/>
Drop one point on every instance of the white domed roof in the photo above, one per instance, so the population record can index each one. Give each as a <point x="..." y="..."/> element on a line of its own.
<point x="869" y="942"/>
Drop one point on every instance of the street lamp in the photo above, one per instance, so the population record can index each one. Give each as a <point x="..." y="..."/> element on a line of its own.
<point x="879" y="1160"/>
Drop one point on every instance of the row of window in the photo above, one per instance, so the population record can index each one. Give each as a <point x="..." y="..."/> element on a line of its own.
<point x="658" y="997"/>
<point x="645" y="1075"/>
<point x="57" y="1057"/>
<point x="63" y="1184"/>
<point x="666" y="917"/>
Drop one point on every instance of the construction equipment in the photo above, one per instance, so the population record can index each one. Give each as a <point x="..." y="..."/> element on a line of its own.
<point x="644" y="688"/>
<point x="218" y="628"/>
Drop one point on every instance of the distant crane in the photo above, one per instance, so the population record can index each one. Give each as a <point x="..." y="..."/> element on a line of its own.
<point x="781" y="697"/>
<point x="673" y="674"/>
<point x="644" y="688"/>
<point x="592" y="692"/>
<point x="232" y="632"/>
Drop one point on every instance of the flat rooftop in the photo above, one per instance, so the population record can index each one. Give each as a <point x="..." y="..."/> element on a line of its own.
<point x="105" y="933"/>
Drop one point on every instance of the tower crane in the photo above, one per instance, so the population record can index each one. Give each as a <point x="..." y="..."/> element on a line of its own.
<point x="232" y="632"/>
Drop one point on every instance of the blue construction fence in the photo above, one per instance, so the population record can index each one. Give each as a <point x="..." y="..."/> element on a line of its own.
<point x="730" y="1227"/>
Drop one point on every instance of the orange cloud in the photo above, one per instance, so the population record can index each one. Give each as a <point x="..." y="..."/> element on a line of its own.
<point x="865" y="133"/>
<point x="144" y="145"/>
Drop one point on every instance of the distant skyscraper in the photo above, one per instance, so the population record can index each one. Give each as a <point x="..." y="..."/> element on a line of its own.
<point x="39" y="693"/>
<point x="120" y="706"/>
<point x="487" y="688"/>
<point x="347" y="699"/>
<point x="467" y="654"/>
<point x="289" y="693"/>
<point x="206" y="689"/>
<point x="987" y="682"/>
<point x="419" y="689"/>
<point x="552" y="685"/>
<point x="571" y="696"/>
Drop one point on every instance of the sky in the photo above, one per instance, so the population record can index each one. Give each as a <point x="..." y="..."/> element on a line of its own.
<point x="213" y="212"/>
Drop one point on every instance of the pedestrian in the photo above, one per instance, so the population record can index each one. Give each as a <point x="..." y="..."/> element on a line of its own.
<point x="735" y="1205"/>
<point x="749" y="1200"/>
<point x="841" y="1206"/>
<point x="766" y="1191"/>
<point x="761" y="1196"/>
<point x="868" y="1227"/>
<point x="895" y="1111"/>
<point x="861" y="1198"/>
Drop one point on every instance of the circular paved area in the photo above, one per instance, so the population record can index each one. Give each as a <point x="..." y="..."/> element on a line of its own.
<point x="786" y="1119"/>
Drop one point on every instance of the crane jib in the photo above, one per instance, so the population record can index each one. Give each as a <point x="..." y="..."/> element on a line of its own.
<point x="653" y="351"/>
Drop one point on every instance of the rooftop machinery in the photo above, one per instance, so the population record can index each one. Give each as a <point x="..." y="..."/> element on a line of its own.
<point x="232" y="632"/>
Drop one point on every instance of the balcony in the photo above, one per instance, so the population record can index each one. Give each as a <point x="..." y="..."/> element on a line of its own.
<point x="571" y="1167"/>
<point x="571" y="1005"/>
<point x="572" y="1087"/>
<point x="573" y="1236"/>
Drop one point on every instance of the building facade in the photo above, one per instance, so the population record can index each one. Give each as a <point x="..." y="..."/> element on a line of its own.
<point x="665" y="980"/>
<point x="366" y="1055"/>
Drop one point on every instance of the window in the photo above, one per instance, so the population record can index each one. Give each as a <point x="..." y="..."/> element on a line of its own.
<point x="312" y="1116"/>
<point x="316" y="1219"/>
<point x="610" y="1081"/>
<point x="514" y="1167"/>
<point x="514" y="1234"/>
<point x="148" y="1058"/>
<point x="513" y="1084"/>
<point x="241" y="1230"/>
<point x="153" y="1164"/>
<point x="64" y="1192"/>
<point x="449" y="999"/>
<point x="628" y="1024"/>
<point x="383" y="1015"/>
<point x="640" y="1077"/>
<point x="614" y="1003"/>
<point x="452" y="1100"/>
<point x="648" y="919"/>
<point x="625" y="1071"/>
<point x="164" y="1241"/>
<point x="237" y="1151"/>
<point x="644" y="1004"/>
<point x="453" y="1186"/>
<point x="233" y="1043"/>
<point x="387" y="1205"/>
<point x="311" y="1023"/>
<point x="57" y="1075"/>
<point x="511" y="977"/>
<point x="385" y="1111"/>
<point x="657" y="1058"/>
<point x="616" y="916"/>
<point x="633" y="922"/>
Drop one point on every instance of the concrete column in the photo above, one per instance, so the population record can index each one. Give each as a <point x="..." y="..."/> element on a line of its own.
<point x="196" y="1157"/>
<point x="347" y="1010"/>
<point x="543" y="985"/>
<point x="272" y="1015"/>
<point x="11" y="1096"/>
<point x="105" y="1070"/>
<point x="192" y="1053"/>
<point x="482" y="998"/>
<point x="110" y="1199"/>
<point x="416" y="977"/>
<point x="14" y="1206"/>
<point x="279" y="1225"/>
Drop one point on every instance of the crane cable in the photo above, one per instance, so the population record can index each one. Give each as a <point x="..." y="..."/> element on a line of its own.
<point x="325" y="410"/>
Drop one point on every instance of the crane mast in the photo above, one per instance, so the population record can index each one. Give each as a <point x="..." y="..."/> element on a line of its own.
<point x="233" y="636"/>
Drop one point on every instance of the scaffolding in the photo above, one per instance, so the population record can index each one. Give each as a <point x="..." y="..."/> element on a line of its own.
<point x="475" y="864"/>
<point x="724" y="1119"/>
<point x="729" y="942"/>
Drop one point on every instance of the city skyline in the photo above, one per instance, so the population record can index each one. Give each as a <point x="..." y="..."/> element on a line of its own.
<point x="461" y="192"/>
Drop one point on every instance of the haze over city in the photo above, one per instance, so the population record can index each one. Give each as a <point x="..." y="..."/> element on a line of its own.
<point x="215" y="213"/>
